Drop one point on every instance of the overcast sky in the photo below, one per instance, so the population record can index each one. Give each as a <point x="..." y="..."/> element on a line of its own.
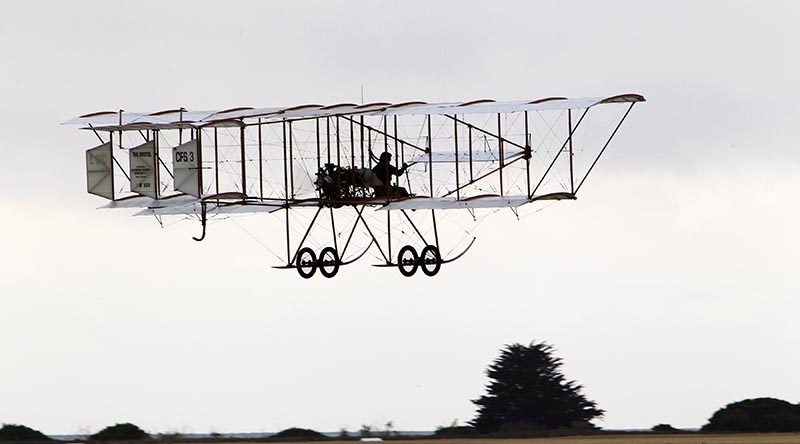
<point x="669" y="287"/>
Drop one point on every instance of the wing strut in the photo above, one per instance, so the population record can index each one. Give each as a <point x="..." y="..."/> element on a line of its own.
<point x="561" y="150"/>
<point x="604" y="147"/>
<point x="95" y="133"/>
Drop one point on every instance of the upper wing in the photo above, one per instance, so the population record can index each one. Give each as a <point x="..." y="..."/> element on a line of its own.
<point x="181" y="118"/>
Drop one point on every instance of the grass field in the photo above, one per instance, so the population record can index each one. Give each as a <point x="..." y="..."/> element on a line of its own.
<point x="776" y="438"/>
<point x="745" y="438"/>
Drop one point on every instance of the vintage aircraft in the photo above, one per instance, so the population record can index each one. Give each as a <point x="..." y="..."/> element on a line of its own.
<point x="342" y="159"/>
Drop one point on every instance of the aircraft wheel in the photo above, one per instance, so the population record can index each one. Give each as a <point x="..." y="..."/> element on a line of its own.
<point x="306" y="262"/>
<point x="430" y="260"/>
<point x="407" y="261"/>
<point x="328" y="262"/>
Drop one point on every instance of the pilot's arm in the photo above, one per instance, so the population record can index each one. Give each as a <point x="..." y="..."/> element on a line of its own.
<point x="401" y="170"/>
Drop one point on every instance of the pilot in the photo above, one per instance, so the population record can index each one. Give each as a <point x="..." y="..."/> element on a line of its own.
<point x="383" y="171"/>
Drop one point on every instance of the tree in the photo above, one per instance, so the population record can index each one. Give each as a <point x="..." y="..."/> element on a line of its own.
<point x="15" y="432"/>
<point x="756" y="415"/>
<point x="454" y="430"/>
<point x="365" y="430"/>
<point x="527" y="391"/>
<point x="120" y="432"/>
<point x="388" y="429"/>
<point x="298" y="434"/>
<point x="664" y="428"/>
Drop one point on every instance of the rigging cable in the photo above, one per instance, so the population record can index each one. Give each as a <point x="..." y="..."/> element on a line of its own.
<point x="256" y="239"/>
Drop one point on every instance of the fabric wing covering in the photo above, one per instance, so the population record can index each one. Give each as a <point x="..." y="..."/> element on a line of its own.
<point x="114" y="121"/>
<point x="190" y="205"/>
<point x="451" y="203"/>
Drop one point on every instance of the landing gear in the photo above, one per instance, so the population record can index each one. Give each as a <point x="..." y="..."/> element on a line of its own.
<point x="307" y="262"/>
<point x="328" y="262"/>
<point x="407" y="261"/>
<point x="430" y="260"/>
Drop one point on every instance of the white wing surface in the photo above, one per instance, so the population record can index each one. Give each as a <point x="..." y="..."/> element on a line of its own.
<point x="170" y="119"/>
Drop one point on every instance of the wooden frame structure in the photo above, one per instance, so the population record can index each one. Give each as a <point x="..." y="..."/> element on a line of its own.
<point x="469" y="155"/>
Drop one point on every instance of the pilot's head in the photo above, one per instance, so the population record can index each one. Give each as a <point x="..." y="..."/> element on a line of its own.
<point x="385" y="157"/>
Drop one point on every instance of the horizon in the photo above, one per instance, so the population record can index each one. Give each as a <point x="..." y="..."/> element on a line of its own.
<point x="668" y="288"/>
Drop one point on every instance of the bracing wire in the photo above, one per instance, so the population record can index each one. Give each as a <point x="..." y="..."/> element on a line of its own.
<point x="256" y="239"/>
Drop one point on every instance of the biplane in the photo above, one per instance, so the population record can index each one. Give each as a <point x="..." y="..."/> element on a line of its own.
<point x="390" y="169"/>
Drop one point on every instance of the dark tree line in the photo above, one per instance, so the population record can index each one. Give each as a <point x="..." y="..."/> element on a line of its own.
<point x="16" y="433"/>
<point x="756" y="415"/>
